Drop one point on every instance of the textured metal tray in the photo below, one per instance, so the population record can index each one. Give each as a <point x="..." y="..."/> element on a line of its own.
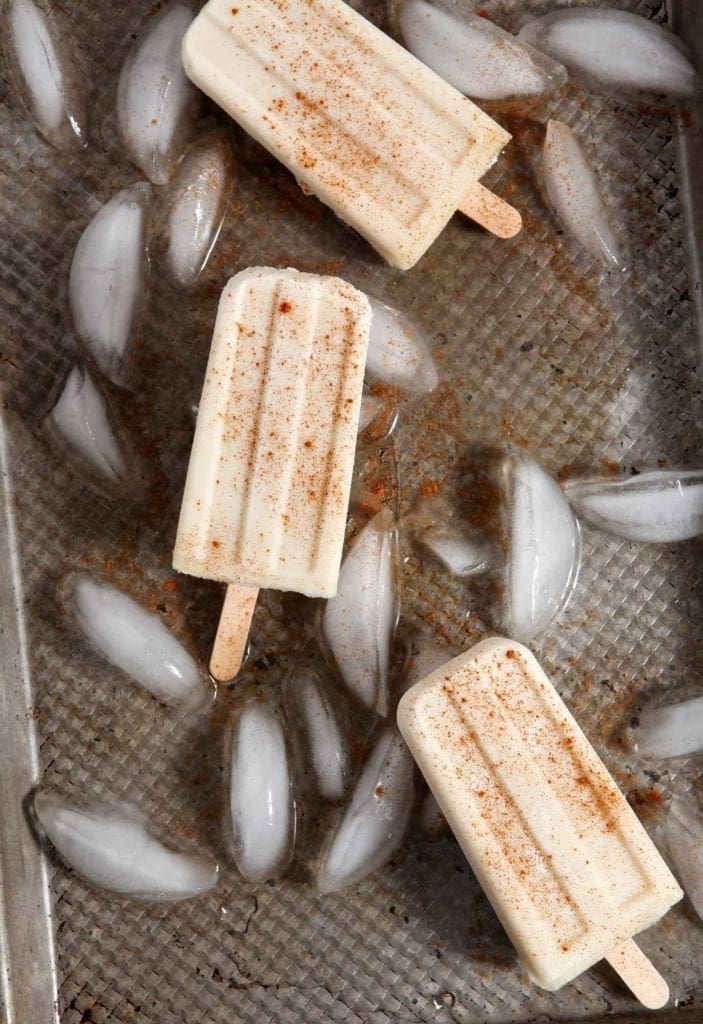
<point x="536" y="348"/>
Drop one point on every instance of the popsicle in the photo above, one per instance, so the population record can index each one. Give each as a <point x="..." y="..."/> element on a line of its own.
<point x="566" y="864"/>
<point x="390" y="146"/>
<point x="267" y="487"/>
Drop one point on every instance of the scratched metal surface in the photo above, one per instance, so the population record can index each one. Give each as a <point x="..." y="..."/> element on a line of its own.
<point x="535" y="348"/>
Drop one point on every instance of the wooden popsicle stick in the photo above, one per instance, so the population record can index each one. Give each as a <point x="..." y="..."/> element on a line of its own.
<point x="491" y="212"/>
<point x="232" y="632"/>
<point x="639" y="974"/>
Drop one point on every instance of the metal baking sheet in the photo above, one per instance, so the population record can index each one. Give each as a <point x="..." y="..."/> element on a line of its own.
<point x="536" y="348"/>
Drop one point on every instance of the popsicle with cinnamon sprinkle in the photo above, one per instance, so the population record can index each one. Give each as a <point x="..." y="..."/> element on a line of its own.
<point x="566" y="864"/>
<point x="267" y="488"/>
<point x="390" y="146"/>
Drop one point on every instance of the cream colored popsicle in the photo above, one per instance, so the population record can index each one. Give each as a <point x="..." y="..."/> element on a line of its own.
<point x="390" y="146"/>
<point x="267" y="489"/>
<point x="568" y="867"/>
